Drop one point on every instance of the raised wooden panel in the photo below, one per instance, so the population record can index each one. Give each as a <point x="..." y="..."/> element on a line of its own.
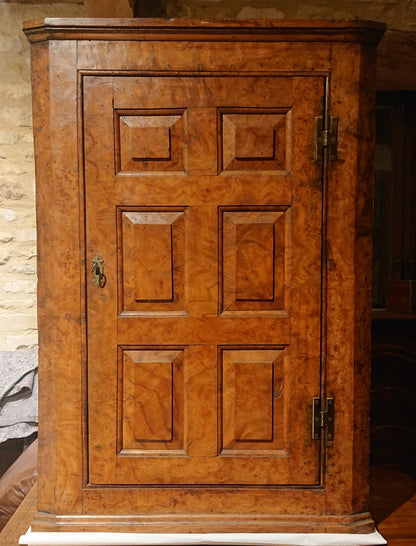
<point x="255" y="245"/>
<point x="255" y="139"/>
<point x="254" y="420"/>
<point x="252" y="404"/>
<point x="150" y="140"/>
<point x="252" y="260"/>
<point x="152" y="260"/>
<point x="151" y="400"/>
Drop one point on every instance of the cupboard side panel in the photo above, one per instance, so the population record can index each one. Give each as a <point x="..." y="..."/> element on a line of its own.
<point x="59" y="296"/>
<point x="363" y="270"/>
<point x="340" y="276"/>
<point x="47" y="426"/>
<point x="349" y="256"/>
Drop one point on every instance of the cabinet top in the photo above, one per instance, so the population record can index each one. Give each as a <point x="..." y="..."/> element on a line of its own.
<point x="273" y="30"/>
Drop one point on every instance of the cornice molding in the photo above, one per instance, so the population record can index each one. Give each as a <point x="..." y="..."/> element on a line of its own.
<point x="273" y="30"/>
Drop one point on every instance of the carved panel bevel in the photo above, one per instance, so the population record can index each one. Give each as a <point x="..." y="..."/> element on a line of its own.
<point x="251" y="394"/>
<point x="151" y="400"/>
<point x="252" y="260"/>
<point x="253" y="139"/>
<point x="151" y="260"/>
<point x="150" y="141"/>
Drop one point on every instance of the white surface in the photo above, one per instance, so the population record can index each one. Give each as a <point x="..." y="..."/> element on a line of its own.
<point x="132" y="539"/>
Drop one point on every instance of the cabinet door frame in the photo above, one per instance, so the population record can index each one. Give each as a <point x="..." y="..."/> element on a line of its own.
<point x="292" y="194"/>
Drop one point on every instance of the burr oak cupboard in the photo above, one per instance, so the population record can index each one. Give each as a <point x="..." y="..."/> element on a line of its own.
<point x="204" y="222"/>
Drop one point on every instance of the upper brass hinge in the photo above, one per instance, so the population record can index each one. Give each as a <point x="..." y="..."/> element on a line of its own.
<point x="323" y="419"/>
<point x="326" y="137"/>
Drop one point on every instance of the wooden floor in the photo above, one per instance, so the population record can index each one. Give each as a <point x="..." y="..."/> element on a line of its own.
<point x="392" y="503"/>
<point x="21" y="520"/>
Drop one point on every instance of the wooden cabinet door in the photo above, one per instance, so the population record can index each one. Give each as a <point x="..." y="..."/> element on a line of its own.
<point x="203" y="198"/>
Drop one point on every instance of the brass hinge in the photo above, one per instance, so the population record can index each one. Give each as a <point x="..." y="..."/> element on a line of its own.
<point x="326" y="137"/>
<point x="323" y="419"/>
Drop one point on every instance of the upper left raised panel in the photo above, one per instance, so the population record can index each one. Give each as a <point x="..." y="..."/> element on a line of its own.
<point x="150" y="141"/>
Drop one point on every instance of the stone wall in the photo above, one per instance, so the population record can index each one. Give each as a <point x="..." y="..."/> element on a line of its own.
<point x="398" y="14"/>
<point x="17" y="203"/>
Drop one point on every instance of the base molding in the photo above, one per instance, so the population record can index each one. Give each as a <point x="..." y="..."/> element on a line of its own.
<point x="205" y="523"/>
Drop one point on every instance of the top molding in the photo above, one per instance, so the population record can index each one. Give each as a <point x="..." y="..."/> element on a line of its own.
<point x="265" y="30"/>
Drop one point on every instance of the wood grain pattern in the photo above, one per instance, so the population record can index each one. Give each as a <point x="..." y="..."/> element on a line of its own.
<point x="255" y="141"/>
<point x="60" y="310"/>
<point x="151" y="249"/>
<point x="177" y="29"/>
<point x="192" y="125"/>
<point x="349" y="265"/>
<point x="255" y="246"/>
<point x="202" y="98"/>
<point x="274" y="56"/>
<point x="152" y="396"/>
<point x="254" y="251"/>
<point x="20" y="522"/>
<point x="252" y="397"/>
<point x="152" y="393"/>
<point x="150" y="141"/>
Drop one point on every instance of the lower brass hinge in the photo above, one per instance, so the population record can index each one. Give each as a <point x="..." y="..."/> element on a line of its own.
<point x="326" y="137"/>
<point x="323" y="419"/>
